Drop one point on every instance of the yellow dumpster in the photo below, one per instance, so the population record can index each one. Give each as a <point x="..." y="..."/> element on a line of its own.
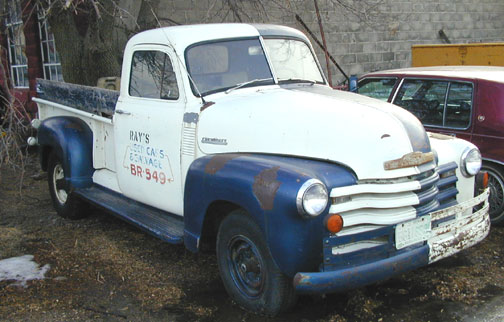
<point x="487" y="54"/>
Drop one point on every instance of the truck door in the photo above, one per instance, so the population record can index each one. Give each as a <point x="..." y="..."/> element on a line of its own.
<point x="147" y="128"/>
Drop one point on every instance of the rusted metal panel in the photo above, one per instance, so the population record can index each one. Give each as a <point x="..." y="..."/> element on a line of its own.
<point x="206" y="105"/>
<point x="353" y="277"/>
<point x="94" y="100"/>
<point x="463" y="234"/>
<point x="460" y="208"/>
<point x="266" y="186"/>
<point x="219" y="161"/>
<point x="409" y="160"/>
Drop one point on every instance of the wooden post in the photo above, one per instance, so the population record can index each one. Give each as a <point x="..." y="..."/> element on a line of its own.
<point x="329" y="78"/>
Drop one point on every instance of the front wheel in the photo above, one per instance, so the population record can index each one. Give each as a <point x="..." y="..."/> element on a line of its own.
<point x="65" y="202"/>
<point x="496" y="199"/>
<point x="248" y="271"/>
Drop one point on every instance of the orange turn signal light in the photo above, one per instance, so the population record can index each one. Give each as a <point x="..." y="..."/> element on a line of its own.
<point x="334" y="223"/>
<point x="485" y="180"/>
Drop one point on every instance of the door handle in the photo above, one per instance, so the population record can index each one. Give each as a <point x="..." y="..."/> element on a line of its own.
<point x="123" y="112"/>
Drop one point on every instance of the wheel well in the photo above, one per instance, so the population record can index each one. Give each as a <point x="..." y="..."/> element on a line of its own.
<point x="45" y="152"/>
<point x="495" y="165"/>
<point x="213" y="217"/>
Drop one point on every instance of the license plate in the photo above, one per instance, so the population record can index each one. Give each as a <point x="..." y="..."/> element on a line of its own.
<point x="412" y="232"/>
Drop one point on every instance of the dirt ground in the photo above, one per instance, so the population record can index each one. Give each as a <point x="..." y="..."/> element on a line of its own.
<point x="106" y="270"/>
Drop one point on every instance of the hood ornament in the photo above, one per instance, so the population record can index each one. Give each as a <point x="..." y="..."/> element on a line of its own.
<point x="409" y="160"/>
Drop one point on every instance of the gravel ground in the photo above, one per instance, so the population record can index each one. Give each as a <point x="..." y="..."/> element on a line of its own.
<point x="106" y="270"/>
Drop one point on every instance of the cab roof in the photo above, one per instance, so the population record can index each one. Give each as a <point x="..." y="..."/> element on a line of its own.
<point x="180" y="37"/>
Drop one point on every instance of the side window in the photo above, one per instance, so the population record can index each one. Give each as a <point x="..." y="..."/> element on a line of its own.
<point x="424" y="98"/>
<point x="459" y="105"/>
<point x="379" y="88"/>
<point x="152" y="76"/>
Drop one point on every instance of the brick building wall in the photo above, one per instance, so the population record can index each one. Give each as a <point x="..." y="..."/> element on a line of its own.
<point x="366" y="35"/>
<point x="21" y="95"/>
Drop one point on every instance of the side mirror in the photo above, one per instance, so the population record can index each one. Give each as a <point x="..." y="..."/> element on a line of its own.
<point x="353" y="84"/>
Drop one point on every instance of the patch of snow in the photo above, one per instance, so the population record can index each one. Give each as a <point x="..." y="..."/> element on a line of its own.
<point x="21" y="269"/>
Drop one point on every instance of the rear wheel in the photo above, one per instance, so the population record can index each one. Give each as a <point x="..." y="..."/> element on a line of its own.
<point x="496" y="199"/>
<point x="248" y="271"/>
<point x="66" y="203"/>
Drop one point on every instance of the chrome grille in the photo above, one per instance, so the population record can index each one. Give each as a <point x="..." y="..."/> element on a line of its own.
<point x="372" y="208"/>
<point x="376" y="203"/>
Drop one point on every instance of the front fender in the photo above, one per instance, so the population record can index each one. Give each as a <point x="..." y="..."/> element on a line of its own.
<point x="266" y="187"/>
<point x="72" y="140"/>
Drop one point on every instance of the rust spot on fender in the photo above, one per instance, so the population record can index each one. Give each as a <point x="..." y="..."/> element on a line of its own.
<point x="441" y="136"/>
<point x="206" y="105"/>
<point x="299" y="278"/>
<point x="219" y="161"/>
<point x="74" y="126"/>
<point x="266" y="186"/>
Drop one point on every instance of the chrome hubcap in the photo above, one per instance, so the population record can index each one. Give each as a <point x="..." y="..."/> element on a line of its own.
<point x="58" y="176"/>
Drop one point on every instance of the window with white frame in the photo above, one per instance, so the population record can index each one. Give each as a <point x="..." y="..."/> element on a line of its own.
<point x="17" y="44"/>
<point x="50" y="58"/>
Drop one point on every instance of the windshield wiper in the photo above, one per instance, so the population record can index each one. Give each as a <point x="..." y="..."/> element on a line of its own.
<point x="295" y="80"/>
<point x="257" y="80"/>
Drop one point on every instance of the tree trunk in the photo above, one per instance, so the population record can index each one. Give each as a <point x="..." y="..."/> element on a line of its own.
<point x="84" y="42"/>
<point x="146" y="16"/>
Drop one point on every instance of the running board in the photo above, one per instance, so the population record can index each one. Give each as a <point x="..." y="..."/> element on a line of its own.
<point x="161" y="224"/>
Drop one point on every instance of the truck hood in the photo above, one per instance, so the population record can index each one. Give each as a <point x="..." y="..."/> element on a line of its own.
<point x="313" y="122"/>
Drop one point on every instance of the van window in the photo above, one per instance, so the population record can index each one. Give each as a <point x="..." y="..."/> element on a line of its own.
<point x="424" y="98"/>
<point x="379" y="88"/>
<point x="437" y="102"/>
<point x="459" y="105"/>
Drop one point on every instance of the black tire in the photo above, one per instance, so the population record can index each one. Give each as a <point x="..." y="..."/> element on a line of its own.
<point x="496" y="199"/>
<point x="248" y="272"/>
<point x="66" y="203"/>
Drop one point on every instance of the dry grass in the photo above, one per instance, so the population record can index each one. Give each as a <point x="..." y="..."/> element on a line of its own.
<point x="14" y="130"/>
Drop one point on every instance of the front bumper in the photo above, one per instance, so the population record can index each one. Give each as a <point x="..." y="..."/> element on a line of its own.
<point x="466" y="229"/>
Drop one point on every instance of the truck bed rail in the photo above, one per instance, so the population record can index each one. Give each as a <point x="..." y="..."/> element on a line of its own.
<point x="94" y="100"/>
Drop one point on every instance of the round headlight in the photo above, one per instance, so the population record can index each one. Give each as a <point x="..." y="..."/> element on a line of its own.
<point x="470" y="163"/>
<point x="312" y="198"/>
<point x="35" y="123"/>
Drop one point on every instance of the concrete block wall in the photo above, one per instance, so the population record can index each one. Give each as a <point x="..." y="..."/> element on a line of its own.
<point x="362" y="35"/>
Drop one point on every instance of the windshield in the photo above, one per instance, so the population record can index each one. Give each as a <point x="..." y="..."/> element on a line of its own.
<point x="293" y="60"/>
<point x="222" y="65"/>
<point x="232" y="64"/>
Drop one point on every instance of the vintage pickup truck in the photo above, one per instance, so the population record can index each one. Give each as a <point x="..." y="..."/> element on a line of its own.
<point x="228" y="136"/>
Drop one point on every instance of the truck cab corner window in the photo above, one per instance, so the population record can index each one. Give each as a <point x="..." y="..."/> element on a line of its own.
<point x="152" y="76"/>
